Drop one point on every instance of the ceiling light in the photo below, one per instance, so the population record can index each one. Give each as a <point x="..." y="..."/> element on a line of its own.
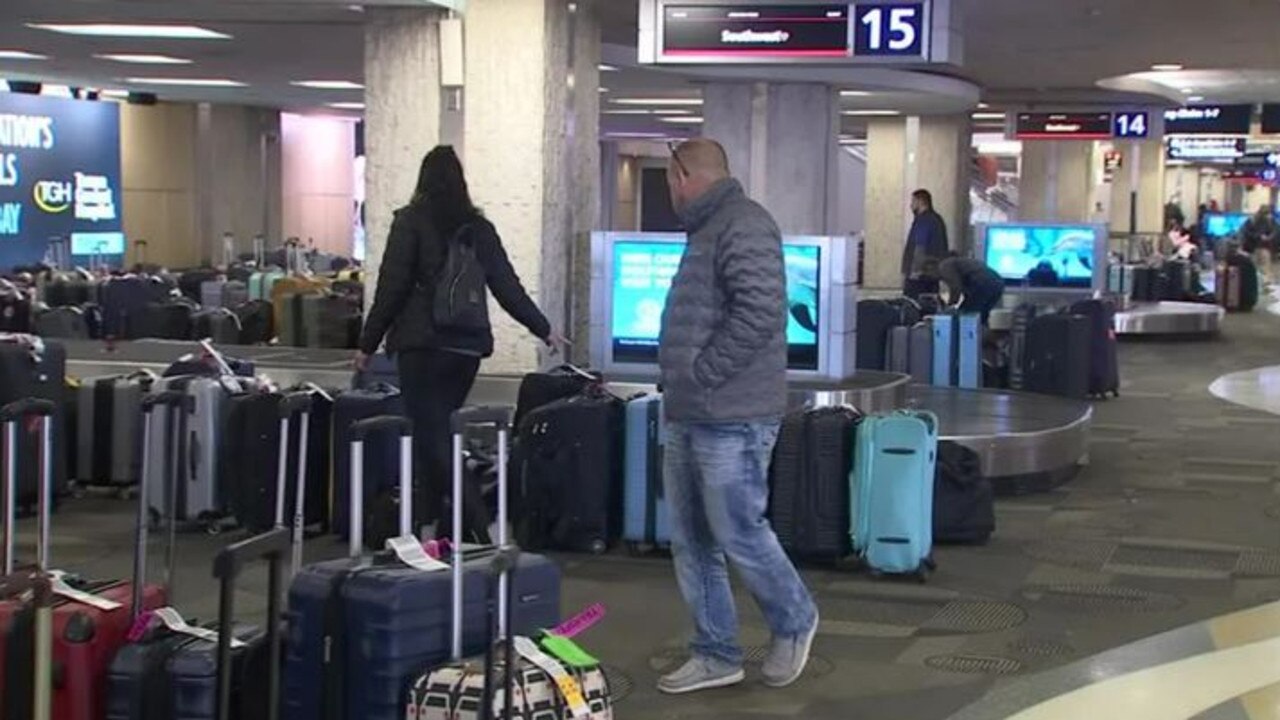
<point x="604" y="90"/>
<point x="854" y="93"/>
<point x="871" y="113"/>
<point x="661" y="111"/>
<point x="61" y="91"/>
<point x="1187" y="91"/>
<point x="1166" y="67"/>
<point x="628" y="112"/>
<point x="21" y="55"/>
<point x="658" y="101"/>
<point x="606" y="68"/>
<point x="988" y="116"/>
<point x="327" y="84"/>
<point x="347" y="105"/>
<point x="983" y="106"/>
<point x="683" y="119"/>
<point x="119" y="94"/>
<point x="144" y="59"/>
<point x="176" y="32"/>
<point x="1195" y="98"/>
<point x="638" y="135"/>
<point x="187" y="82"/>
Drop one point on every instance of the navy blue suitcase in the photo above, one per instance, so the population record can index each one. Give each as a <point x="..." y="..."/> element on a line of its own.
<point x="124" y="303"/>
<point x="380" y="456"/>
<point x="362" y="629"/>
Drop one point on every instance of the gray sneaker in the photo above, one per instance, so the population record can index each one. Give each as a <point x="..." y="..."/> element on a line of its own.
<point x="701" y="674"/>
<point x="787" y="658"/>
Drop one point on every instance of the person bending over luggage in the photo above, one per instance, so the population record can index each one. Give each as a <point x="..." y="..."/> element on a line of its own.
<point x="974" y="287"/>
<point x="438" y="365"/>
<point x="723" y="358"/>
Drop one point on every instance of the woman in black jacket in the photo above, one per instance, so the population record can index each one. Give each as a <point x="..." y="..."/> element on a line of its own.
<point x="438" y="366"/>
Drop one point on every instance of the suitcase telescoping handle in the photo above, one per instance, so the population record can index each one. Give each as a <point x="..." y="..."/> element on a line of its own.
<point x="272" y="546"/>
<point x="498" y="417"/>
<point x="360" y="432"/>
<point x="174" y="403"/>
<point x="11" y="417"/>
<point x="296" y="404"/>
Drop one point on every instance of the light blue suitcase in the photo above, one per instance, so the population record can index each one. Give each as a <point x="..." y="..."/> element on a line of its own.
<point x="944" y="334"/>
<point x="646" y="520"/>
<point x="968" y="362"/>
<point x="891" y="492"/>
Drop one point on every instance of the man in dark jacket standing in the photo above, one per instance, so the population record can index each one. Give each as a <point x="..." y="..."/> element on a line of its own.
<point x="723" y="354"/>
<point x="926" y="241"/>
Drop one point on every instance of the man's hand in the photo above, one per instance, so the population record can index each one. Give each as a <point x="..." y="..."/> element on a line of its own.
<point x="360" y="361"/>
<point x="557" y="342"/>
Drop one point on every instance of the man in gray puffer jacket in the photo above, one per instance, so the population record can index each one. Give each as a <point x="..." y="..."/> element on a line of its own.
<point x="723" y="353"/>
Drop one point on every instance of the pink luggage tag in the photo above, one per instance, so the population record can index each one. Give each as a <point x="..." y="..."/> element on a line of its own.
<point x="581" y="622"/>
<point x="139" y="627"/>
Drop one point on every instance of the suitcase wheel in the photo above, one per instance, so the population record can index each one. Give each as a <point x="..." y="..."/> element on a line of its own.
<point x="599" y="547"/>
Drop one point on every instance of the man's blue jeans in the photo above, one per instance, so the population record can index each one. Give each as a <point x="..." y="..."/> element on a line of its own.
<point x="716" y="479"/>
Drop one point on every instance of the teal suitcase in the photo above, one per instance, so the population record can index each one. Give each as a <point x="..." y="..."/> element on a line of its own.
<point x="891" y="492"/>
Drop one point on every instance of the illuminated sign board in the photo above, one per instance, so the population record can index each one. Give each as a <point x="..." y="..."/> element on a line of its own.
<point x="59" y="178"/>
<point x="866" y="32"/>
<point x="1132" y="125"/>
<point x="1205" y="149"/>
<point x="1063" y="126"/>
<point x="1208" y="120"/>
<point x="1271" y="119"/>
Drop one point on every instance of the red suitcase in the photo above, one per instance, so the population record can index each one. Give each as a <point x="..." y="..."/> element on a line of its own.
<point x="85" y="637"/>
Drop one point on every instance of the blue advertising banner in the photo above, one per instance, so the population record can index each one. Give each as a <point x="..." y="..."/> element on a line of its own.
<point x="59" y="179"/>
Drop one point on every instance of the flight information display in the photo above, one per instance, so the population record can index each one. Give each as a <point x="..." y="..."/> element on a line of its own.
<point x="642" y="275"/>
<point x="59" y="178"/>
<point x="1063" y="126"/>
<point x="1209" y="120"/>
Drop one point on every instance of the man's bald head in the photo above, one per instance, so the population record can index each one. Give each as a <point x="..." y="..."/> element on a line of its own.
<point x="696" y="165"/>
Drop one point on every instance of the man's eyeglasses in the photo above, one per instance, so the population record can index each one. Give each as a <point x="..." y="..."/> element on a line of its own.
<point x="674" y="147"/>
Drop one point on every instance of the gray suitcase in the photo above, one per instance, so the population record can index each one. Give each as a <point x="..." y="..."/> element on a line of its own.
<point x="898" y="350"/>
<point x="920" y="353"/>
<point x="200" y="497"/>
<point x="108" y="429"/>
<point x="211" y="293"/>
<point x="234" y="294"/>
<point x="62" y="323"/>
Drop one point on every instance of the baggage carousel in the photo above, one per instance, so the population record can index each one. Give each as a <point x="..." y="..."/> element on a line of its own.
<point x="1027" y="443"/>
<point x="1170" y="318"/>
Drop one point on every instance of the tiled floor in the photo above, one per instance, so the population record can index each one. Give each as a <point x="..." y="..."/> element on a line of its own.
<point x="1175" y="521"/>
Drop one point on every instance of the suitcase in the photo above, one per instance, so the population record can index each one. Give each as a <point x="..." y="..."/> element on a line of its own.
<point x="169" y="320"/>
<point x="124" y="302"/>
<point x="809" y="482"/>
<point x="171" y="673"/>
<point x="646" y="515"/>
<point x="349" y="408"/>
<point x="109" y="429"/>
<point x="1177" y="280"/>
<point x="325" y="320"/>
<point x="1057" y="356"/>
<point x="257" y="322"/>
<point x="26" y="631"/>
<point x="262" y="282"/>
<point x="963" y="500"/>
<point x="211" y="292"/>
<point x="32" y="368"/>
<point x="218" y="325"/>
<point x="898" y="350"/>
<point x="15" y="311"/>
<point x="234" y="294"/>
<point x="1227" y="287"/>
<point x="191" y="283"/>
<point x="891" y="492"/>
<point x="362" y="629"/>
<point x="1248" y="272"/>
<point x="70" y="290"/>
<point x="957" y="350"/>
<point x="86" y="636"/>
<point x="287" y="306"/>
<point x="258" y="431"/>
<point x="1023" y="315"/>
<point x="62" y="323"/>
<point x="570" y="459"/>
<point x="945" y="335"/>
<point x="875" y="319"/>
<point x="920" y="353"/>
<point x="381" y="372"/>
<point x="541" y="388"/>
<point x="1104" y="363"/>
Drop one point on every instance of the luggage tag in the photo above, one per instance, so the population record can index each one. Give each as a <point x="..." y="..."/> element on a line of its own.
<point x="569" y="687"/>
<point x="60" y="587"/>
<point x="581" y="622"/>
<point x="172" y="620"/>
<point x="568" y="652"/>
<point x="410" y="552"/>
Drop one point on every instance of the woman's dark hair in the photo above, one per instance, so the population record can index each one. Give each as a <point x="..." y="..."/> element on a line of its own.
<point x="442" y="190"/>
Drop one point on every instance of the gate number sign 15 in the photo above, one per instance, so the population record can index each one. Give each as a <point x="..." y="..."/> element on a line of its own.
<point x="889" y="29"/>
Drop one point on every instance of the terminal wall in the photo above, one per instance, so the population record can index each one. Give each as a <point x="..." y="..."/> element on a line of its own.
<point x="158" y="160"/>
<point x="318" y="180"/>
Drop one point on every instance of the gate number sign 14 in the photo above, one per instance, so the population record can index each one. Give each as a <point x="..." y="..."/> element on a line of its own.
<point x="889" y="29"/>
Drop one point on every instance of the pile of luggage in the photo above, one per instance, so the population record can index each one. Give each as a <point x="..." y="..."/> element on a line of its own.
<point x="246" y="302"/>
<point x="381" y="634"/>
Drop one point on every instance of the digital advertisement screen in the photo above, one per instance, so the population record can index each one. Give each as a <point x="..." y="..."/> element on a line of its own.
<point x="642" y="274"/>
<point x="1221" y="225"/>
<point x="756" y="31"/>
<point x="1042" y="255"/>
<point x="59" y="178"/>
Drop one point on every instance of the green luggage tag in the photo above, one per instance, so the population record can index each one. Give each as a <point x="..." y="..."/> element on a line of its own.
<point x="567" y="652"/>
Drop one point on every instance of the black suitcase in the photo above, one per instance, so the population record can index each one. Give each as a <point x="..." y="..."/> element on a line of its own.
<point x="1176" y="285"/>
<point x="380" y="453"/>
<point x="30" y="368"/>
<point x="1057" y="356"/>
<point x="125" y="300"/>
<point x="251" y="459"/>
<point x="15" y="311"/>
<point x="875" y="319"/>
<point x="1104" y="364"/>
<point x="257" y="322"/>
<point x="168" y="320"/>
<point x="62" y="323"/>
<point x="963" y="500"/>
<point x="1248" y="280"/>
<point x="570" y="458"/>
<point x="541" y="388"/>
<point x="190" y="282"/>
<point x="809" y="482"/>
<point x="219" y="325"/>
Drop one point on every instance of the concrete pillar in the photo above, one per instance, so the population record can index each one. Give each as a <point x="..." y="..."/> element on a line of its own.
<point x="533" y="154"/>
<point x="402" y="115"/>
<point x="238" y="177"/>
<point x="1056" y="181"/>
<point x="903" y="155"/>
<point x="1144" y="171"/>
<point x="781" y="141"/>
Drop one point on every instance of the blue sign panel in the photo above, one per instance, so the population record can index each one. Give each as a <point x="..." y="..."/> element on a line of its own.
<point x="1132" y="125"/>
<point x="59" y="178"/>
<point x="889" y="30"/>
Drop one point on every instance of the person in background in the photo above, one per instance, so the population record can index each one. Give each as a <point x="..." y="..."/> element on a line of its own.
<point x="926" y="241"/>
<point x="1258" y="238"/>
<point x="973" y="287"/>
<point x="1099" y="215"/>
<point x="723" y="359"/>
<point x="438" y="367"/>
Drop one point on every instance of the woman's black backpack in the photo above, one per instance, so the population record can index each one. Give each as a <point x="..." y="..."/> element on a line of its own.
<point x="461" y="292"/>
